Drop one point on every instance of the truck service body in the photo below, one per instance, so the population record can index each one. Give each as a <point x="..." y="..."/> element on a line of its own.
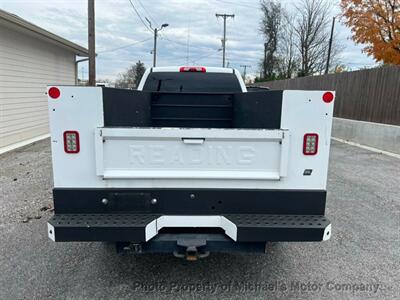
<point x="190" y="162"/>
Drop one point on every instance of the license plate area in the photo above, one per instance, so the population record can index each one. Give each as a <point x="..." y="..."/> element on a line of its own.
<point x="185" y="153"/>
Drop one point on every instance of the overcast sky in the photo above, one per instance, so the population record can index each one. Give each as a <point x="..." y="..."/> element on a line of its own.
<point x="193" y="36"/>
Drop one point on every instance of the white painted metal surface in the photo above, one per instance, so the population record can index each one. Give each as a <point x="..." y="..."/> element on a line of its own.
<point x="152" y="153"/>
<point x="306" y="112"/>
<point x="51" y="232"/>
<point x="81" y="109"/>
<point x="153" y="227"/>
<point x="241" y="81"/>
<point x="327" y="233"/>
<point x="78" y="109"/>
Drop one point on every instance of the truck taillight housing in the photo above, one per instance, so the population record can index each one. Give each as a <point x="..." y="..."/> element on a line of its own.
<point x="71" y="142"/>
<point x="310" y="144"/>
<point x="192" y="69"/>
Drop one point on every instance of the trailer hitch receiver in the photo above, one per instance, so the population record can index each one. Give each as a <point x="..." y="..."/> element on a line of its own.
<point x="192" y="250"/>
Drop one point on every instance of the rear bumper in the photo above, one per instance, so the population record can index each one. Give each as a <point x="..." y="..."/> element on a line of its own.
<point x="189" y="201"/>
<point x="139" y="228"/>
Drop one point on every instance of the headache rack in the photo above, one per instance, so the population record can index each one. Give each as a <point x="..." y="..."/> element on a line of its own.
<point x="192" y="110"/>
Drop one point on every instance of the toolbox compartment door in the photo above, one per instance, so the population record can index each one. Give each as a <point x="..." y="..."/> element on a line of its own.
<point x="188" y="153"/>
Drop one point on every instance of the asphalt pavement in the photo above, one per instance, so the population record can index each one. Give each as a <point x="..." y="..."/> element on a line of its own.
<point x="361" y="261"/>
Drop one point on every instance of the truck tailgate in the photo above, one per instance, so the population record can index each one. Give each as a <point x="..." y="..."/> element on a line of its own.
<point x="177" y="153"/>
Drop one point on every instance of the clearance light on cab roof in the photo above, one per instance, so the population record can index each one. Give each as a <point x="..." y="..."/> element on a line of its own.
<point x="310" y="144"/>
<point x="192" y="69"/>
<point x="71" y="142"/>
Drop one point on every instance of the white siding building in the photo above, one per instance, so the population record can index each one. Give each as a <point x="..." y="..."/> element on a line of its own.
<point x="30" y="59"/>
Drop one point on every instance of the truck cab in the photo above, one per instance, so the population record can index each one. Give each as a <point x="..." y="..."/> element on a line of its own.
<point x="189" y="163"/>
<point x="192" y="79"/>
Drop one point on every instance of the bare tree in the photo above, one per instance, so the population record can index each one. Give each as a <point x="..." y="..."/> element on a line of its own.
<point x="269" y="27"/>
<point x="311" y="29"/>
<point x="288" y="58"/>
<point x="296" y="44"/>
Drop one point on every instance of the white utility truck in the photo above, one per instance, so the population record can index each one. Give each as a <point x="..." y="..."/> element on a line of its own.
<point x="189" y="163"/>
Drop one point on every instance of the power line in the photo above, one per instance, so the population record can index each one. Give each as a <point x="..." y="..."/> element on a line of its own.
<point x="184" y="44"/>
<point x="360" y="64"/>
<point x="149" y="27"/>
<point x="150" y="15"/>
<point x="125" y="46"/>
<point x="140" y="17"/>
<point x="238" y="4"/>
<point x="249" y="5"/>
<point x="205" y="56"/>
<point x="172" y="41"/>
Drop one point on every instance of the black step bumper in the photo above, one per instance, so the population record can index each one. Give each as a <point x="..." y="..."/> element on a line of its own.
<point x="138" y="228"/>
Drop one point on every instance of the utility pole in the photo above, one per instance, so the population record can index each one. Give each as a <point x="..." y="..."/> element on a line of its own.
<point x="155" y="30"/>
<point x="155" y="47"/>
<point x="225" y="16"/>
<point x="330" y="46"/>
<point x="244" y="70"/>
<point x="92" y="43"/>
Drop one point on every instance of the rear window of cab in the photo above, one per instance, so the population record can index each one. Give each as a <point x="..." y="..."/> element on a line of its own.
<point x="192" y="82"/>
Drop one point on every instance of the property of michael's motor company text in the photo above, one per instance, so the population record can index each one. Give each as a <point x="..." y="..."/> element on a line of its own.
<point x="276" y="286"/>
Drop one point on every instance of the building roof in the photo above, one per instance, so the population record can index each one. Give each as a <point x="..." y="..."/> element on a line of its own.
<point x="38" y="31"/>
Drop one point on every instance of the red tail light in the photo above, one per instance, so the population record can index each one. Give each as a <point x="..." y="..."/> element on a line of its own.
<point x="71" y="142"/>
<point x="54" y="92"/>
<point x="310" y="144"/>
<point x="192" y="69"/>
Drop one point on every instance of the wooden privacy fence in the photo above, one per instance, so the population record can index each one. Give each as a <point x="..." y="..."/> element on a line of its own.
<point x="367" y="95"/>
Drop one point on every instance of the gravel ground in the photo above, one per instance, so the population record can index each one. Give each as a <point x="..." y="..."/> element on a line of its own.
<point x="361" y="260"/>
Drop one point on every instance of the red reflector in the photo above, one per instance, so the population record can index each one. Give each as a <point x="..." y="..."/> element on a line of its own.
<point x="310" y="144"/>
<point x="71" y="141"/>
<point x="192" y="69"/>
<point x="328" y="97"/>
<point x="54" y="92"/>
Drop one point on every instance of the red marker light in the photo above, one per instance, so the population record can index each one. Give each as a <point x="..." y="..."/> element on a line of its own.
<point x="54" y="92"/>
<point x="328" y="97"/>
